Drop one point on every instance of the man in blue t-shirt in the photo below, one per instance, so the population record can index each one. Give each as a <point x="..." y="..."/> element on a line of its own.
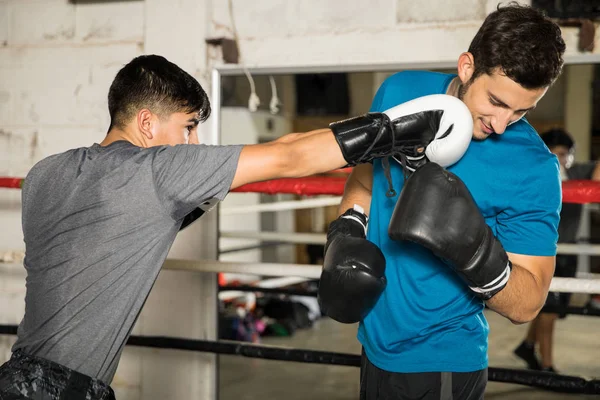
<point x="435" y="253"/>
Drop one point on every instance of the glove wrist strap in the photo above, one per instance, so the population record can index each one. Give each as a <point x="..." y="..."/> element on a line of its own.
<point x="357" y="213"/>
<point x="351" y="223"/>
<point x="487" y="291"/>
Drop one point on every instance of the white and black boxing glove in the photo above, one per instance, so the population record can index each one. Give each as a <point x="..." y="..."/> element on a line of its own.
<point x="435" y="128"/>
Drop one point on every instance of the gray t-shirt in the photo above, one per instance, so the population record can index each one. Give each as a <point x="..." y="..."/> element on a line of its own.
<point x="570" y="214"/>
<point x="98" y="223"/>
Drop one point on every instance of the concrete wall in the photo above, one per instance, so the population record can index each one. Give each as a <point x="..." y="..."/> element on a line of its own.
<point x="354" y="32"/>
<point x="57" y="59"/>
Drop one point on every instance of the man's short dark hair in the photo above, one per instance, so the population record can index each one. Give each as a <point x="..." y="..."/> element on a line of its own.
<point x="153" y="82"/>
<point x="521" y="43"/>
<point x="557" y="137"/>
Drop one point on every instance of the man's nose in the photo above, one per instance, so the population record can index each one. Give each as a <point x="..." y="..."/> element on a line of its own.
<point x="501" y="121"/>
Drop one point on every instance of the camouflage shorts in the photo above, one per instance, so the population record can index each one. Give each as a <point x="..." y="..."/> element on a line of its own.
<point x="25" y="377"/>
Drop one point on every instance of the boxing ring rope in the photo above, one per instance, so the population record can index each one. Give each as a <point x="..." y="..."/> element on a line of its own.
<point x="544" y="380"/>
<point x="320" y="238"/>
<point x="568" y="285"/>
<point x="281" y="206"/>
<point x="292" y="237"/>
<point x="573" y="191"/>
<point x="313" y="272"/>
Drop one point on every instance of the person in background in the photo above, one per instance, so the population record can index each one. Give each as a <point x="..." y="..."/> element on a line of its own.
<point x="541" y="329"/>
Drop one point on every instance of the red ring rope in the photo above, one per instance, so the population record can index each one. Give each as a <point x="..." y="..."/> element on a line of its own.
<point x="574" y="191"/>
<point x="300" y="186"/>
<point x="581" y="192"/>
<point x="11" y="183"/>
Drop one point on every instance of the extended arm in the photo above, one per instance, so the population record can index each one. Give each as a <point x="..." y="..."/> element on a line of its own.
<point x="436" y="128"/>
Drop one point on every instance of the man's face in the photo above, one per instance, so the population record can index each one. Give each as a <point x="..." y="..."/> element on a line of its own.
<point x="496" y="101"/>
<point x="563" y="155"/>
<point x="178" y="128"/>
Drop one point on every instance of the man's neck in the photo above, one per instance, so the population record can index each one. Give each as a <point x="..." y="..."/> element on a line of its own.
<point x="116" y="134"/>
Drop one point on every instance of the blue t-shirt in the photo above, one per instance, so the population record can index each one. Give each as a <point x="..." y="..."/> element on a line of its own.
<point x="427" y="319"/>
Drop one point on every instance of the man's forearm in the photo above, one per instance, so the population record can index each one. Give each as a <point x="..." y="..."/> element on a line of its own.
<point x="355" y="197"/>
<point x="313" y="152"/>
<point x="522" y="298"/>
<point x="358" y="189"/>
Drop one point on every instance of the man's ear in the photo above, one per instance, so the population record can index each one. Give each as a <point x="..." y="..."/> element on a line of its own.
<point x="466" y="67"/>
<point x="147" y="123"/>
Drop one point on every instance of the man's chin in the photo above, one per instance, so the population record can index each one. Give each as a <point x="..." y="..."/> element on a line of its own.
<point x="480" y="135"/>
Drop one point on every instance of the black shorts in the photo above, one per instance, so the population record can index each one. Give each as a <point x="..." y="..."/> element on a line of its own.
<point x="27" y="377"/>
<point x="566" y="267"/>
<point x="377" y="384"/>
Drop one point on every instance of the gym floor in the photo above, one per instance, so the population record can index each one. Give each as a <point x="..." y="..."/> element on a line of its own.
<point x="577" y="353"/>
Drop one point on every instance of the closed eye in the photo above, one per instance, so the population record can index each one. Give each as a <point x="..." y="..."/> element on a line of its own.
<point x="494" y="101"/>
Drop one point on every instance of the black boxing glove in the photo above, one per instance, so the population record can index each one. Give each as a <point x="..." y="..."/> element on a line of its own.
<point x="436" y="128"/>
<point x="353" y="270"/>
<point x="436" y="210"/>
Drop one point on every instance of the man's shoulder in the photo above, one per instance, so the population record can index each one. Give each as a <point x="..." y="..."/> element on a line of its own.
<point x="528" y="157"/>
<point x="415" y="76"/>
<point x="408" y="85"/>
<point x="523" y="126"/>
<point x="179" y="153"/>
<point x="53" y="161"/>
<point x="528" y="139"/>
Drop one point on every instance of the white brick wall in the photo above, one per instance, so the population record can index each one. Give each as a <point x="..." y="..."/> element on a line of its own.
<point x="413" y="11"/>
<point x="106" y="22"/>
<point x="287" y="19"/>
<point x="400" y="45"/>
<point x="353" y="32"/>
<point x="4" y="23"/>
<point x="41" y="22"/>
<point x="60" y="85"/>
<point x="58" y="22"/>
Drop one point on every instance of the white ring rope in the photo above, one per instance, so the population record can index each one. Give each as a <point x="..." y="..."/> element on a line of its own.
<point x="10" y="257"/>
<point x="583" y="249"/>
<point x="289" y="237"/>
<point x="265" y="269"/>
<point x="316" y="238"/>
<point x="320" y="238"/>
<point x="575" y="285"/>
<point x="293" y="271"/>
<point x="568" y="285"/>
<point x="281" y="206"/>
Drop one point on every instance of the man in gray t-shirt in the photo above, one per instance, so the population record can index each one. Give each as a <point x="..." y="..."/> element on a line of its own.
<point x="541" y="329"/>
<point x="99" y="221"/>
